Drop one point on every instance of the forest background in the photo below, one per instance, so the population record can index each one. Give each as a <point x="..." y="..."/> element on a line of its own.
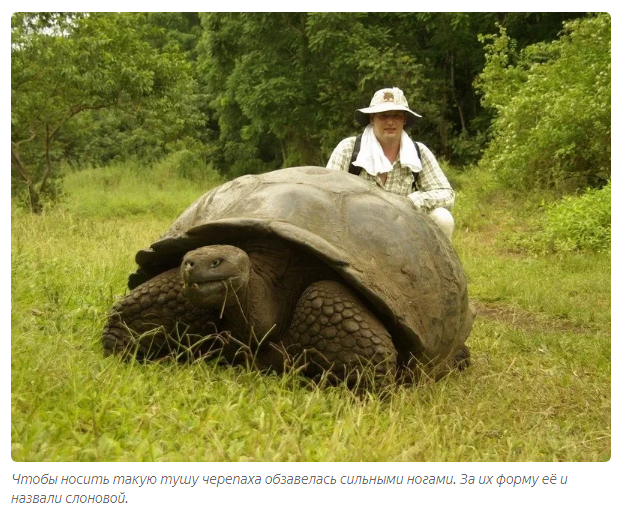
<point x="526" y="94"/>
<point x="120" y="120"/>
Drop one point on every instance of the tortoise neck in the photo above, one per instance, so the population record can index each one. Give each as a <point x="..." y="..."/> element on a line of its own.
<point x="254" y="313"/>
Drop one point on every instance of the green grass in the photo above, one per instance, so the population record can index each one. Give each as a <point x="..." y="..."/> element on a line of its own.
<point x="538" y="389"/>
<point x="121" y="191"/>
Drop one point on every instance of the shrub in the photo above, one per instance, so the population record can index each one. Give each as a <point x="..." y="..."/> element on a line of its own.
<point x="582" y="222"/>
<point x="552" y="129"/>
<point x="184" y="164"/>
<point x="573" y="223"/>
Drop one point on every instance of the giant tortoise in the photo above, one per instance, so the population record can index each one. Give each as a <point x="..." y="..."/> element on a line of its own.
<point x="301" y="265"/>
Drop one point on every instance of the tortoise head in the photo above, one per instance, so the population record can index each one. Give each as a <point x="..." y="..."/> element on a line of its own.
<point x="213" y="276"/>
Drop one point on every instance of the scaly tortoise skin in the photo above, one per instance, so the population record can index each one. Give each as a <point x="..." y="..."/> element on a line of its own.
<point x="304" y="266"/>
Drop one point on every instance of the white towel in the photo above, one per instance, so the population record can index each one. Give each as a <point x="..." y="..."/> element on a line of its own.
<point x="371" y="156"/>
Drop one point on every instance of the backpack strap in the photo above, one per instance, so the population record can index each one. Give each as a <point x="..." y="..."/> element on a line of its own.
<point x="355" y="170"/>
<point x="414" y="186"/>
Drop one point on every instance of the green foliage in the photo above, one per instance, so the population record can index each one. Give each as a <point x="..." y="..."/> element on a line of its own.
<point x="45" y="197"/>
<point x="573" y="223"/>
<point x="536" y="223"/>
<point x="146" y="133"/>
<point x="248" y="92"/>
<point x="67" y="67"/>
<point x="188" y="165"/>
<point x="252" y="66"/>
<point x="582" y="222"/>
<point x="282" y="87"/>
<point x="552" y="129"/>
<point x="179" y="30"/>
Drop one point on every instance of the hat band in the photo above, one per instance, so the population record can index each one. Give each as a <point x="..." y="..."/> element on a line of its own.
<point x="387" y="106"/>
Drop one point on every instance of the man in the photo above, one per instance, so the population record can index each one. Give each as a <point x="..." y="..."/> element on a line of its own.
<point x="391" y="159"/>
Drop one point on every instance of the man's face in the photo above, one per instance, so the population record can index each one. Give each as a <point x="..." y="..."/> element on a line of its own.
<point x="388" y="126"/>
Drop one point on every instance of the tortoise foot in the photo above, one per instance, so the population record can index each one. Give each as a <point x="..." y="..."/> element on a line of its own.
<point x="155" y="320"/>
<point x="334" y="334"/>
<point x="462" y="358"/>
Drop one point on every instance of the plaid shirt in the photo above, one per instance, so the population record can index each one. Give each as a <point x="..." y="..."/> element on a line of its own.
<point x="435" y="190"/>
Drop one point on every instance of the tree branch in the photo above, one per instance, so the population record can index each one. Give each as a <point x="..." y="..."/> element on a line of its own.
<point x="34" y="198"/>
<point x="18" y="143"/>
<point x="15" y="158"/>
<point x="81" y="108"/>
<point x="25" y="80"/>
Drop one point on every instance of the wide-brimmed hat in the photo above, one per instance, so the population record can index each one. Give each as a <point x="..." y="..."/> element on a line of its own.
<point x="389" y="99"/>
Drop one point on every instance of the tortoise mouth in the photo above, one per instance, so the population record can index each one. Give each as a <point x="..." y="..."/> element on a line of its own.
<point x="195" y="284"/>
<point x="212" y="292"/>
<point x="206" y="293"/>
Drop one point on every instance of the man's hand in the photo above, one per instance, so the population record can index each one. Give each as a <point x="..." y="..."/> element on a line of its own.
<point x="417" y="200"/>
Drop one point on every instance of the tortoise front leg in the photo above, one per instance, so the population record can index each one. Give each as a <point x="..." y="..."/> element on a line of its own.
<point x="154" y="319"/>
<point x="332" y="332"/>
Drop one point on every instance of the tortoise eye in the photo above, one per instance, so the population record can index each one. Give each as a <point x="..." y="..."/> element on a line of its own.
<point x="216" y="263"/>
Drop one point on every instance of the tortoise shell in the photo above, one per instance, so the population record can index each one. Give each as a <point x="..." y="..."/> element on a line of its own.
<point x="391" y="254"/>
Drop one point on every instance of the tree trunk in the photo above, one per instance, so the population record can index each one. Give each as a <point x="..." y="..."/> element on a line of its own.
<point x="455" y="98"/>
<point x="47" y="155"/>
<point x="35" y="202"/>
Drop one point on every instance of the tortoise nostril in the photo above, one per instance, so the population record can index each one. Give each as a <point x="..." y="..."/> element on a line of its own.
<point x="189" y="263"/>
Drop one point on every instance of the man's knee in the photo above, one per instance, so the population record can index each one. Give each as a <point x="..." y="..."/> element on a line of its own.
<point x="443" y="218"/>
